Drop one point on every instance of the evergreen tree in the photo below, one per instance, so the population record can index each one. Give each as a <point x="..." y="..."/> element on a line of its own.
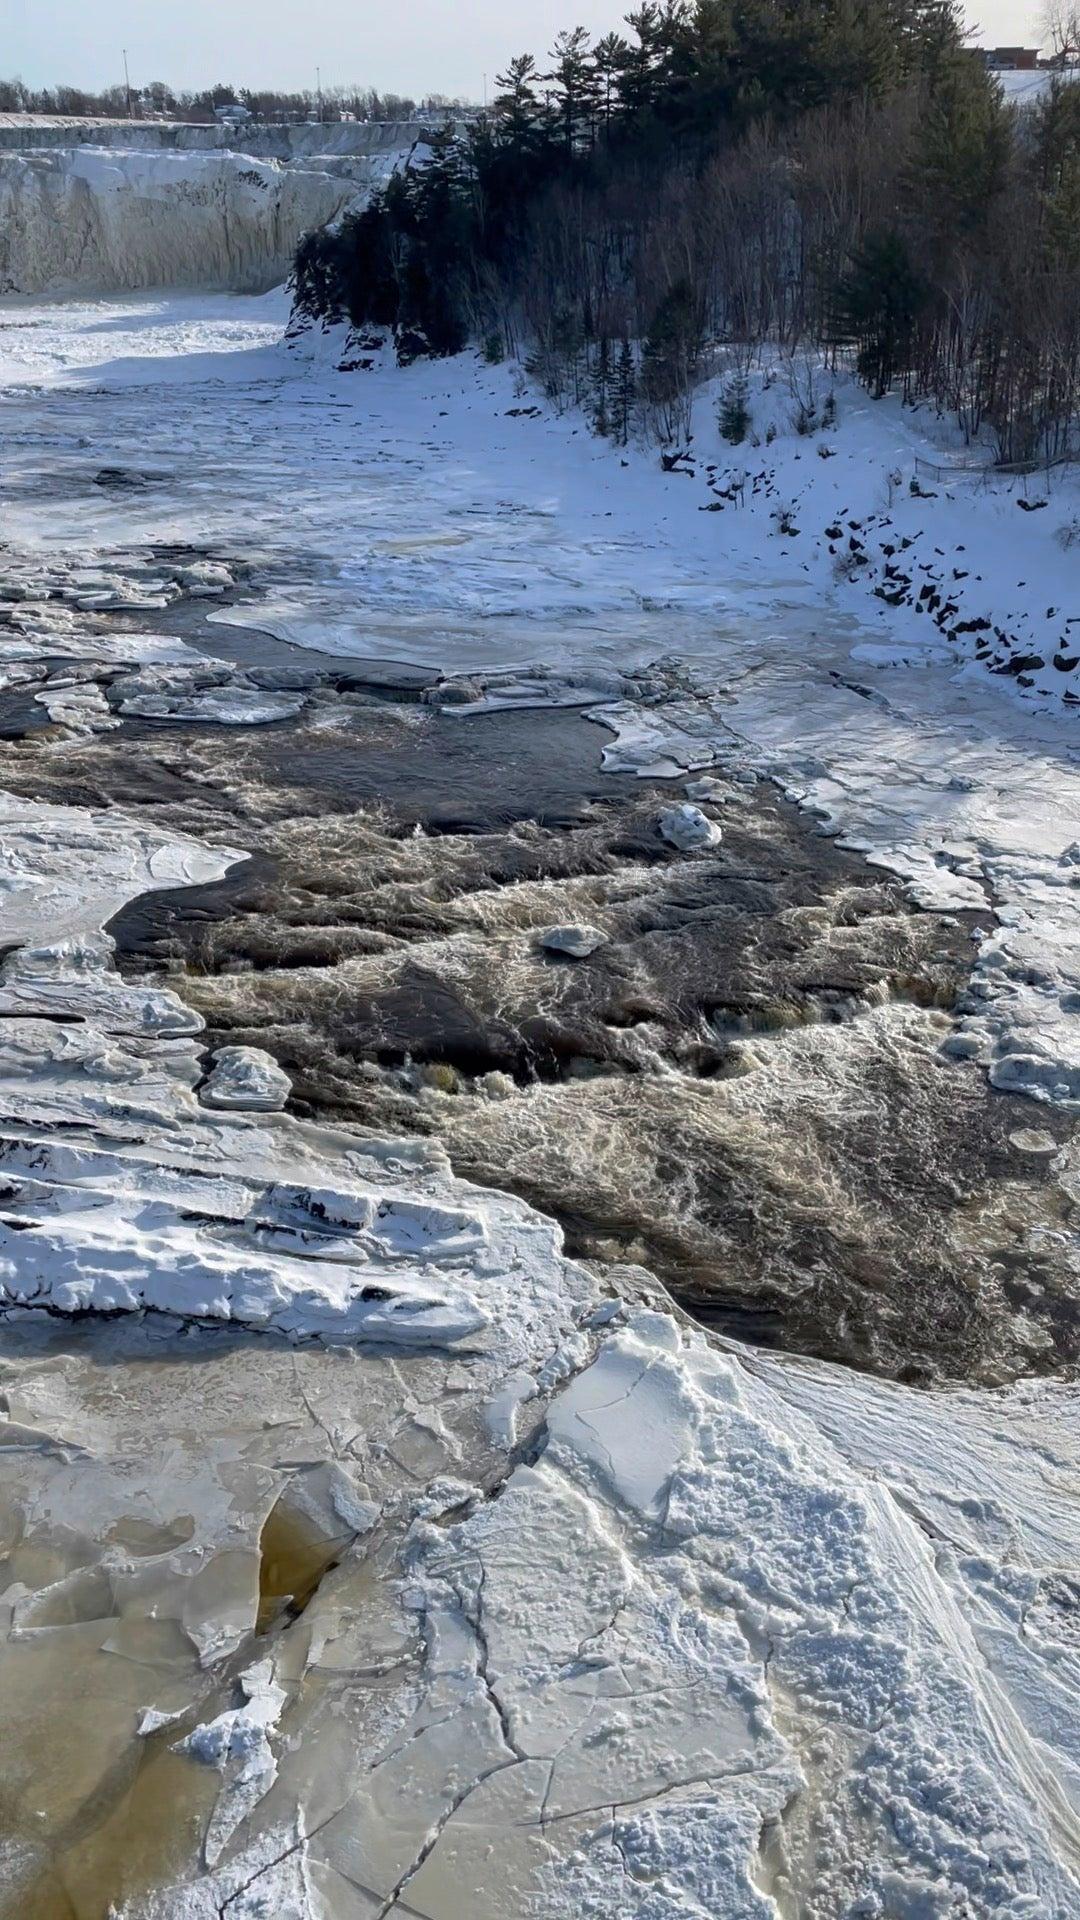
<point x="638" y="80"/>
<point x="573" y="89"/>
<point x="878" y="303"/>
<point x="609" y="59"/>
<point x="964" y="149"/>
<point x="733" y="415"/>
<point x="624" y="394"/>
<point x="518" y="116"/>
<point x="1056" y="133"/>
<point x="601" y="388"/>
<point x="669" y="357"/>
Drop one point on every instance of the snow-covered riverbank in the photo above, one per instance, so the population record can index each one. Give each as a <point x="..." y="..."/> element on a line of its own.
<point x="622" y="1621"/>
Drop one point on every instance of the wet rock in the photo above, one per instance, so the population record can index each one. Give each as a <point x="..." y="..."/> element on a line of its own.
<point x="246" y="1080"/>
<point x="285" y="679"/>
<point x="453" y="693"/>
<point x="120" y="478"/>
<point x="687" y="828"/>
<point x="576" y="941"/>
<point x="1033" y="1140"/>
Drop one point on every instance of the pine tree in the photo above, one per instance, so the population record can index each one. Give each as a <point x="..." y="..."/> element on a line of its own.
<point x="669" y="358"/>
<point x="573" y="89"/>
<point x="624" y="395"/>
<point x="637" y="85"/>
<point x="609" y="60"/>
<point x="601" y="388"/>
<point x="733" y="415"/>
<point x="517" y="103"/>
<point x="877" y="306"/>
<point x="964" y="150"/>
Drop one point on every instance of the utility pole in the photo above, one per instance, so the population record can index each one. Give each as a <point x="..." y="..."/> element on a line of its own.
<point x="318" y="90"/>
<point x="127" y="86"/>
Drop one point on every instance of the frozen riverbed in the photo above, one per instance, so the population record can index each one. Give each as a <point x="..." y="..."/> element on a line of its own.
<point x="376" y="1559"/>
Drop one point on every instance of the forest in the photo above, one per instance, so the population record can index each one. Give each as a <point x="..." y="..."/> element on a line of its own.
<point x="837" y="179"/>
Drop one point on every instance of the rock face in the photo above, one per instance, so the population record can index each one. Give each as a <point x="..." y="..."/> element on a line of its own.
<point x="354" y="140"/>
<point x="78" y="219"/>
<point x="246" y="1080"/>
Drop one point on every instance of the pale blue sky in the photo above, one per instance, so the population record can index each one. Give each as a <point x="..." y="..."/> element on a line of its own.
<point x="415" y="46"/>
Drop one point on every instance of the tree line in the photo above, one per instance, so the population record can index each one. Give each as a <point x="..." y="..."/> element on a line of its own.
<point x="265" y="103"/>
<point x="840" y="177"/>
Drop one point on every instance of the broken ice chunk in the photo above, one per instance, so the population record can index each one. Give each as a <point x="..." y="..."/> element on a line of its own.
<point x="247" y="1080"/>
<point x="686" y="827"/>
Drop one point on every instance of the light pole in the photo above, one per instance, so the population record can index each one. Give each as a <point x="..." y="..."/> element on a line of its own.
<point x="127" y="86"/>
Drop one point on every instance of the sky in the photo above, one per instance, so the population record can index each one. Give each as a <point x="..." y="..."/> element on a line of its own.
<point x="421" y="46"/>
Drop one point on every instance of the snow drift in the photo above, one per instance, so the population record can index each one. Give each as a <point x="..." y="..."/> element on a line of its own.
<point x="80" y="219"/>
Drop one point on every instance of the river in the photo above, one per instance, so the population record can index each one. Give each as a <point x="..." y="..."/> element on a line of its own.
<point x="419" y="689"/>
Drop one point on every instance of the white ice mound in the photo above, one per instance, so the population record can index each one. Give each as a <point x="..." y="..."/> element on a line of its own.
<point x="577" y="941"/>
<point x="246" y="1080"/>
<point x="84" y="1231"/>
<point x="686" y="827"/>
<point x="103" y="221"/>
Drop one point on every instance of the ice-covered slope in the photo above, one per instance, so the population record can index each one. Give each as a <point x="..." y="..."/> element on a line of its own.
<point x="362" y="139"/>
<point x="83" y="218"/>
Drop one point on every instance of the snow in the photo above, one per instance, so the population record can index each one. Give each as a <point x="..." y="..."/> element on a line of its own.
<point x="644" y="1623"/>
<point x="1024" y="88"/>
<point x="693" y="1561"/>
<point x="369" y="142"/>
<point x="241" y="1732"/>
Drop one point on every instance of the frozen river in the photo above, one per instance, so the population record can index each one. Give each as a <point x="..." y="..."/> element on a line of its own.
<point x="374" y="1558"/>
